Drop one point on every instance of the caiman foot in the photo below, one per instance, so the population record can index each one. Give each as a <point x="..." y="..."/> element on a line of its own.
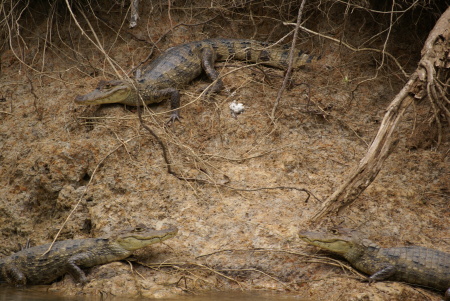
<point x="173" y="117"/>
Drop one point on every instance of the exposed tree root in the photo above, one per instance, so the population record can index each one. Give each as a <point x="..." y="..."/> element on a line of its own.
<point x="430" y="79"/>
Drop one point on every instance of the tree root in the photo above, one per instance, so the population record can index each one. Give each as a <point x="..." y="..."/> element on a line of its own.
<point x="431" y="80"/>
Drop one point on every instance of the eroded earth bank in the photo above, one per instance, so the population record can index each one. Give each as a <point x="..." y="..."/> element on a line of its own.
<point x="258" y="179"/>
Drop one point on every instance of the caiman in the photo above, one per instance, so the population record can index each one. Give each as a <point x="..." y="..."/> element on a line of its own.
<point x="179" y="65"/>
<point x="415" y="265"/>
<point x="37" y="266"/>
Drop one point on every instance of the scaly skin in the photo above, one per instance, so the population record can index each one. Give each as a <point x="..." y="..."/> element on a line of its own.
<point x="415" y="265"/>
<point x="37" y="266"/>
<point x="179" y="65"/>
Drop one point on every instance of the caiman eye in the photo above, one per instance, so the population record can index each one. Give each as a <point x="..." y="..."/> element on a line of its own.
<point x="139" y="228"/>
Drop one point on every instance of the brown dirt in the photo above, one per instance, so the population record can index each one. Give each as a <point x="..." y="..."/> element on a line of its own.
<point x="230" y="239"/>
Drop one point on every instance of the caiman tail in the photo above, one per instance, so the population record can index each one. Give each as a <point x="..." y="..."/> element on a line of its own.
<point x="258" y="52"/>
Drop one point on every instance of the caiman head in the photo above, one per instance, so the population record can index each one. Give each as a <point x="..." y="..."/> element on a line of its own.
<point x="141" y="236"/>
<point x="113" y="91"/>
<point x="348" y="244"/>
<point x="334" y="243"/>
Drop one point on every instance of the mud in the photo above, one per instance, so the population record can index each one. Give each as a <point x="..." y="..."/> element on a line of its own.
<point x="239" y="224"/>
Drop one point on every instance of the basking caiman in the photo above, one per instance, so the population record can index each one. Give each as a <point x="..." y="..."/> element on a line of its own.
<point x="179" y="65"/>
<point x="37" y="266"/>
<point x="415" y="265"/>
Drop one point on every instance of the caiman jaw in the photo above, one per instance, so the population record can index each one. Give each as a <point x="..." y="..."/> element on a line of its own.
<point x="335" y="244"/>
<point x="113" y="91"/>
<point x="142" y="236"/>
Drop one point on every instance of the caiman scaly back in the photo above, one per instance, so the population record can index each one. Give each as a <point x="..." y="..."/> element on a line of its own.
<point x="179" y="65"/>
<point x="37" y="266"/>
<point x="416" y="265"/>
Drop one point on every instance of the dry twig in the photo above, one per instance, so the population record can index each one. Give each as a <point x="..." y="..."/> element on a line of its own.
<point x="287" y="77"/>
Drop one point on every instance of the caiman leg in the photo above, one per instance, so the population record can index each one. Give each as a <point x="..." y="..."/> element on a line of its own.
<point x="75" y="270"/>
<point x="383" y="274"/>
<point x="174" y="96"/>
<point x="208" y="59"/>
<point x="16" y="274"/>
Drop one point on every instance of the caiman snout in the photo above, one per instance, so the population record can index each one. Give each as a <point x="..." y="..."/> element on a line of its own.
<point x="80" y="98"/>
<point x="114" y="91"/>
<point x="94" y="97"/>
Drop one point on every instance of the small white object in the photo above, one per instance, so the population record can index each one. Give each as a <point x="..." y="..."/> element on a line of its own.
<point x="236" y="108"/>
